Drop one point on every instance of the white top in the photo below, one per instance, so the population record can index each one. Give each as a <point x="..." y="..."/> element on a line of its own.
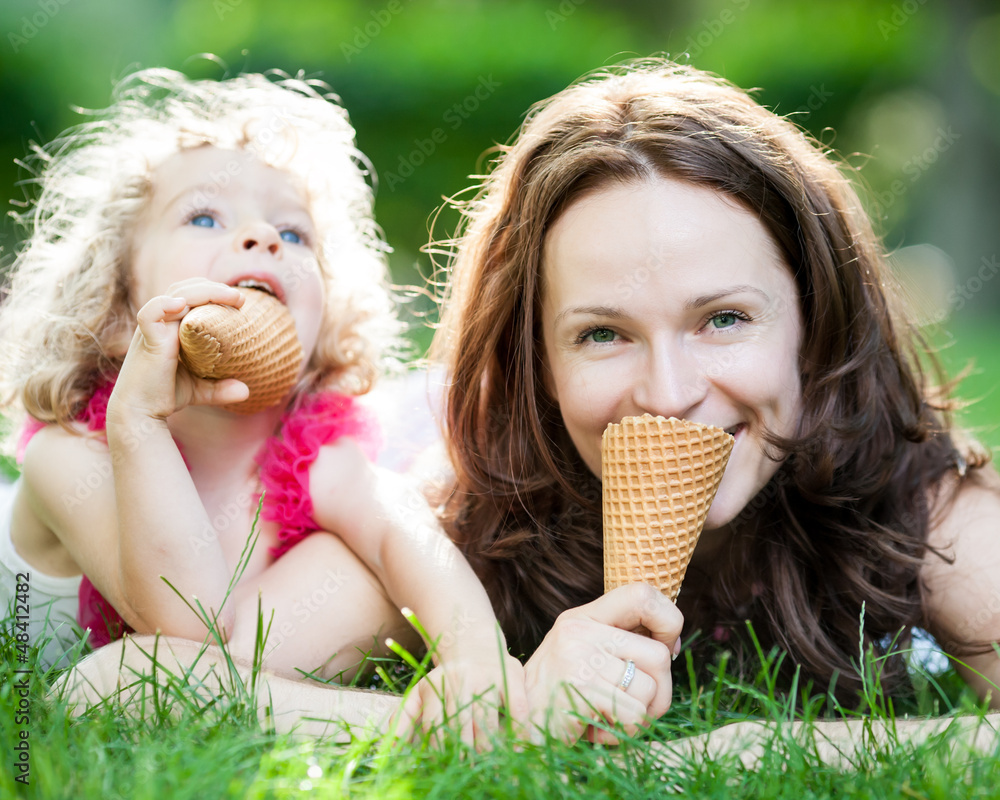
<point x="50" y="604"/>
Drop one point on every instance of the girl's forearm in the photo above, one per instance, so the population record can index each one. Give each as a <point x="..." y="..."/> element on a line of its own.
<point x="160" y="516"/>
<point x="453" y="608"/>
<point x="424" y="571"/>
<point x="384" y="518"/>
<point x="448" y="601"/>
<point x="136" y="668"/>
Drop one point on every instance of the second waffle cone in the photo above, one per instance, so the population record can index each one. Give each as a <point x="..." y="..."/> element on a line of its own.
<point x="256" y="344"/>
<point x="659" y="477"/>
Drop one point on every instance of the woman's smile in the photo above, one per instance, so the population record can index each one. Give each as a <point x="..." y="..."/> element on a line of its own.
<point x="667" y="298"/>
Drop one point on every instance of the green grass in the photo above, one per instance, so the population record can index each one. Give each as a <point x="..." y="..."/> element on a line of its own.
<point x="190" y="746"/>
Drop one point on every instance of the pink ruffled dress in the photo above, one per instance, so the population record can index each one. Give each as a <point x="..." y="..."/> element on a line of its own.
<point x="285" y="459"/>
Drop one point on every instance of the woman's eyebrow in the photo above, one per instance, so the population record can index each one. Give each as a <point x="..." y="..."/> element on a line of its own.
<point x="613" y="312"/>
<point x="594" y="311"/>
<point x="705" y="299"/>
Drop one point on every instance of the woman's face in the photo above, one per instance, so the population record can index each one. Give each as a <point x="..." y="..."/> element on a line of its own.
<point x="667" y="298"/>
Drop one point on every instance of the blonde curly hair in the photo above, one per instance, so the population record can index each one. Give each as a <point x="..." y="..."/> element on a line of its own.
<point x="68" y="313"/>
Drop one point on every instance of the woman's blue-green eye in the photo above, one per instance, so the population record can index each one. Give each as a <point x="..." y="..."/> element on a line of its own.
<point x="291" y="237"/>
<point x="724" y="320"/>
<point x="203" y="221"/>
<point x="602" y="335"/>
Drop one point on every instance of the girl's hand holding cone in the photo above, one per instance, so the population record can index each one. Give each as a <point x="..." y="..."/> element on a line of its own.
<point x="256" y="344"/>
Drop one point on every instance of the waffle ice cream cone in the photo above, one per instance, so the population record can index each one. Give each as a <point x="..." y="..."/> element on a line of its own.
<point x="256" y="344"/>
<point x="659" y="477"/>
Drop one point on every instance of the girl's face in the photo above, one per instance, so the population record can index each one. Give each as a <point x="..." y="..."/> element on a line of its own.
<point x="228" y="217"/>
<point x="667" y="298"/>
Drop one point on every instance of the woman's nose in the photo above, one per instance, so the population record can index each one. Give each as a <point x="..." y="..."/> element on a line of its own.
<point x="673" y="383"/>
<point x="259" y="236"/>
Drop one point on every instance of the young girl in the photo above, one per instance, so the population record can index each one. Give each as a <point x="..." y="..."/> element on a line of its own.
<point x="176" y="196"/>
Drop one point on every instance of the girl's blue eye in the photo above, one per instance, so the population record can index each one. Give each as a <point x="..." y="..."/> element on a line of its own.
<point x="601" y="335"/>
<point x="203" y="221"/>
<point x="724" y="320"/>
<point x="291" y="237"/>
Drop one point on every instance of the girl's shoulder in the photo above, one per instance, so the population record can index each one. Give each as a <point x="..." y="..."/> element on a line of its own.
<point x="90" y="422"/>
<point x="80" y="488"/>
<point x="51" y="439"/>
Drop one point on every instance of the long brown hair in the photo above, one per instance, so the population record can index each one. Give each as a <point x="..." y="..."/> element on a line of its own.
<point x="845" y="519"/>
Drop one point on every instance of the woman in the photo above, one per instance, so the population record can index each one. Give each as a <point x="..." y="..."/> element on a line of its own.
<point x="655" y="241"/>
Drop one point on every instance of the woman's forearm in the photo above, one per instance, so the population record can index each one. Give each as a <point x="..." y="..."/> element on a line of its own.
<point x="837" y="743"/>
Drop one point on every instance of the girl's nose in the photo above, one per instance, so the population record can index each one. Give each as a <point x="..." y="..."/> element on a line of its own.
<point x="673" y="383"/>
<point x="259" y="236"/>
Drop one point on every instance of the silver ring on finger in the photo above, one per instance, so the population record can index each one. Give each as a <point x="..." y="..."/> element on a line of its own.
<point x="627" y="676"/>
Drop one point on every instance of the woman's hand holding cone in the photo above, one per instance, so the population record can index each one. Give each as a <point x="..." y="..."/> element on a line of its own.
<point x="574" y="678"/>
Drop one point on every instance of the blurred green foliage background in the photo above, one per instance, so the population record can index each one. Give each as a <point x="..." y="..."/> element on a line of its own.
<point x="907" y="91"/>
